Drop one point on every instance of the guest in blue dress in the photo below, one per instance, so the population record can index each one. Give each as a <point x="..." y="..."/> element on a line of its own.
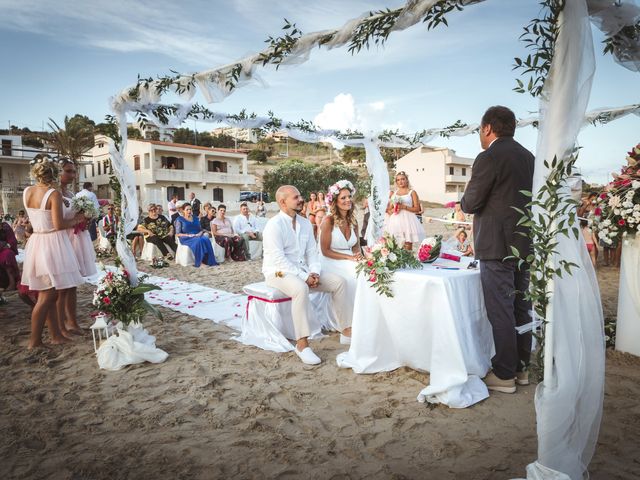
<point x="192" y="235"/>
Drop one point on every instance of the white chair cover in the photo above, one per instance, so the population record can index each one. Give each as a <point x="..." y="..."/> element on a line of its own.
<point x="628" y="323"/>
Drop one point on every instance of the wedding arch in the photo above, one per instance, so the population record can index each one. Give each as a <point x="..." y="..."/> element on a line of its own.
<point x="569" y="400"/>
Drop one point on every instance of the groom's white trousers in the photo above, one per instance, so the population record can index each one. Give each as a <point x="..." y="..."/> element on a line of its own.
<point x="298" y="290"/>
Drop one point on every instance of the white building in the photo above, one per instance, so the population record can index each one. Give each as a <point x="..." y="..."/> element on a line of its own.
<point x="15" y="165"/>
<point x="246" y="135"/>
<point x="437" y="174"/>
<point x="162" y="169"/>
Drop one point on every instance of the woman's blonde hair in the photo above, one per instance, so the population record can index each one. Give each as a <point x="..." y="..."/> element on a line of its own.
<point x="350" y="218"/>
<point x="395" y="178"/>
<point x="45" y="170"/>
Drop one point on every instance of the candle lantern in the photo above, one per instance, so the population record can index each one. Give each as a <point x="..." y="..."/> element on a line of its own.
<point x="99" y="330"/>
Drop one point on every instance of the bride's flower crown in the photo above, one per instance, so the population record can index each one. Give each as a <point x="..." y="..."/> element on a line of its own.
<point x="335" y="190"/>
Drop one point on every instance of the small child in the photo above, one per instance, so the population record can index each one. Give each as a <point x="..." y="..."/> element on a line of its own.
<point x="590" y="240"/>
<point x="463" y="245"/>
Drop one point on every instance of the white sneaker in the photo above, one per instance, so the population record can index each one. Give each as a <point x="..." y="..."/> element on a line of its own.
<point x="344" y="340"/>
<point x="307" y="356"/>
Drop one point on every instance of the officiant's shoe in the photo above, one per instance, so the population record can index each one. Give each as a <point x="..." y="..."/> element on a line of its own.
<point x="344" y="340"/>
<point x="307" y="356"/>
<point x="498" y="385"/>
<point x="522" y="378"/>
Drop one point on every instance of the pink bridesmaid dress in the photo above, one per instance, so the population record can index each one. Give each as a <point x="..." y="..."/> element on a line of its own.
<point x="81" y="243"/>
<point x="49" y="260"/>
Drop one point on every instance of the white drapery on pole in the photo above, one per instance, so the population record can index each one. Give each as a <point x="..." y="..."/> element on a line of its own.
<point x="569" y="404"/>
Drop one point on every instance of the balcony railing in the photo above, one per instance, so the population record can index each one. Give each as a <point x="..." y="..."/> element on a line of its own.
<point x="456" y="178"/>
<point x="196" y="176"/>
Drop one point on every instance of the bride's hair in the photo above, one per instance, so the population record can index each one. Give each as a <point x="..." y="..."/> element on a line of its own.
<point x="338" y="219"/>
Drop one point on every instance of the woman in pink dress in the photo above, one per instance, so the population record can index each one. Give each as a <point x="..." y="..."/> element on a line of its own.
<point x="50" y="264"/>
<point x="401" y="220"/>
<point x="83" y="249"/>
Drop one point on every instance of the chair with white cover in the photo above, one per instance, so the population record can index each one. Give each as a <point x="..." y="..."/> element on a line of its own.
<point x="184" y="255"/>
<point x="150" y="250"/>
<point x="218" y="251"/>
<point x="255" y="249"/>
<point x="103" y="241"/>
<point x="268" y="323"/>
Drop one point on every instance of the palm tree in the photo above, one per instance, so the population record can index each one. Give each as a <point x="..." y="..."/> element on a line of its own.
<point x="75" y="138"/>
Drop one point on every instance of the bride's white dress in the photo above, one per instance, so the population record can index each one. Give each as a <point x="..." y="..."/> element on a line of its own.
<point x="344" y="268"/>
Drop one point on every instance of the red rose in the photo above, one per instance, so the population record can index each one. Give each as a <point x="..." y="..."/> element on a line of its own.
<point x="603" y="195"/>
<point x="106" y="301"/>
<point x="621" y="222"/>
<point x="597" y="212"/>
<point x="370" y="263"/>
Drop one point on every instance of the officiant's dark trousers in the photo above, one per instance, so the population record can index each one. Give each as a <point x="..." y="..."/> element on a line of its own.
<point x="502" y="284"/>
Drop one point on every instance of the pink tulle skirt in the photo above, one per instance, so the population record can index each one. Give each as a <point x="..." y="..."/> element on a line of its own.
<point x="404" y="226"/>
<point x="85" y="254"/>
<point x="50" y="262"/>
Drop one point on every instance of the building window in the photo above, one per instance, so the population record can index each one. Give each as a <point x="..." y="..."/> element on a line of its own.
<point x="99" y="168"/>
<point x="179" y="191"/>
<point x="93" y="170"/>
<point x="136" y="162"/>
<point x="451" y="171"/>
<point x="6" y="148"/>
<point x="215" y="166"/>
<point x="101" y="145"/>
<point x="146" y="161"/>
<point x="173" y="163"/>
<point x="464" y="172"/>
<point x="217" y="195"/>
<point x="451" y="189"/>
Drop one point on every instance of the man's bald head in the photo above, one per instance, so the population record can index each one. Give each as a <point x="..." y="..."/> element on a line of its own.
<point x="289" y="199"/>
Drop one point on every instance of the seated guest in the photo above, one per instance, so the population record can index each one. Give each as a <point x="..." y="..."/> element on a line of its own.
<point x="157" y="230"/>
<point x="8" y="252"/>
<point x="246" y="225"/>
<point x="190" y="232"/>
<point x="222" y="231"/>
<point x="209" y="216"/>
<point x="463" y="245"/>
<point x="109" y="224"/>
<point x="291" y="264"/>
<point x="19" y="225"/>
<point x="136" y="237"/>
<point x="203" y="211"/>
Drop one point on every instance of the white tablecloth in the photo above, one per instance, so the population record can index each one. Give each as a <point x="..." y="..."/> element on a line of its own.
<point x="435" y="322"/>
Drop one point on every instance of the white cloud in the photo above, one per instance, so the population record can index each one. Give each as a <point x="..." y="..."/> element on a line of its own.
<point x="344" y="113"/>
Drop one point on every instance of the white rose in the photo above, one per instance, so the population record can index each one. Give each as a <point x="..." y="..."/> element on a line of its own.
<point x="616" y="211"/>
<point x="635" y="184"/>
<point x="614" y="201"/>
<point x="392" y="257"/>
<point x="612" y="234"/>
<point x="609" y="241"/>
<point x="607" y="222"/>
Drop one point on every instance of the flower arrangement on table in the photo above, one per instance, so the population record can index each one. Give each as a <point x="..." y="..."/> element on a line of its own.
<point x="159" y="262"/>
<point x="381" y="260"/>
<point x="119" y="299"/>
<point x="430" y="249"/>
<point x="617" y="212"/>
<point x="85" y="206"/>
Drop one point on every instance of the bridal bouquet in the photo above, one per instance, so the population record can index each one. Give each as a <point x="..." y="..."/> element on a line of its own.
<point x="85" y="206"/>
<point x="395" y="203"/>
<point x="118" y="298"/>
<point x="381" y="260"/>
<point x="617" y="212"/>
<point x="430" y="249"/>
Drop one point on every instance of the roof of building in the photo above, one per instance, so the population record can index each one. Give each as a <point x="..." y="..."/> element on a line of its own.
<point x="197" y="147"/>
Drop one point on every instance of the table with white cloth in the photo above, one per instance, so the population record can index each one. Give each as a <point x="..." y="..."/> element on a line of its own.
<point x="435" y="322"/>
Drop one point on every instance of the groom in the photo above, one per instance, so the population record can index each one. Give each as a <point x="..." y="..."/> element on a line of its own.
<point x="499" y="175"/>
<point x="291" y="265"/>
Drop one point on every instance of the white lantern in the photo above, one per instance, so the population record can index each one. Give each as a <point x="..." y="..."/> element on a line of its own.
<point x="99" y="329"/>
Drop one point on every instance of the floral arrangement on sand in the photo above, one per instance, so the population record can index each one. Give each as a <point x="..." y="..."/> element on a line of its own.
<point x="120" y="300"/>
<point x="159" y="262"/>
<point x="617" y="212"/>
<point x="381" y="260"/>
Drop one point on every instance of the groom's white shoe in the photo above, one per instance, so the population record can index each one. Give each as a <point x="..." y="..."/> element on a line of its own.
<point x="344" y="340"/>
<point x="307" y="356"/>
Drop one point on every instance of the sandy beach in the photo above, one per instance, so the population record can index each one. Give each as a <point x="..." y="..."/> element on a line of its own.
<point x="219" y="409"/>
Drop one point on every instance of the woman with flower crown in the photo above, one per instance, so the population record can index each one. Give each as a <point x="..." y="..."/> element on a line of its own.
<point x="401" y="220"/>
<point x="339" y="242"/>
<point x="50" y="264"/>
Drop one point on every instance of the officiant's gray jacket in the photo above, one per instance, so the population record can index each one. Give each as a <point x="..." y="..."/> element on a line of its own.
<point x="499" y="174"/>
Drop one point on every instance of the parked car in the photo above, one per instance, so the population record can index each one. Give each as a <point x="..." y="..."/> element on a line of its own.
<point x="247" y="196"/>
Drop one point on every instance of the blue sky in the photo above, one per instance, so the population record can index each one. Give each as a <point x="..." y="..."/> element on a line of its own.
<point x="66" y="57"/>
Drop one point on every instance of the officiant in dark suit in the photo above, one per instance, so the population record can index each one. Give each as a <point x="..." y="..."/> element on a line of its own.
<point x="499" y="174"/>
<point x="195" y="204"/>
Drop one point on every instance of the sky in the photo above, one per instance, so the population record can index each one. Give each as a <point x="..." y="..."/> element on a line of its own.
<point x="66" y="57"/>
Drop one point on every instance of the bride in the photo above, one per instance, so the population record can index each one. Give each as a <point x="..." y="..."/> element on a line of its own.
<point x="339" y="245"/>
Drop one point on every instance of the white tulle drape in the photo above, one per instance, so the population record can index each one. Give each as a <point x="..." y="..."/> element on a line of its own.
<point x="569" y="401"/>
